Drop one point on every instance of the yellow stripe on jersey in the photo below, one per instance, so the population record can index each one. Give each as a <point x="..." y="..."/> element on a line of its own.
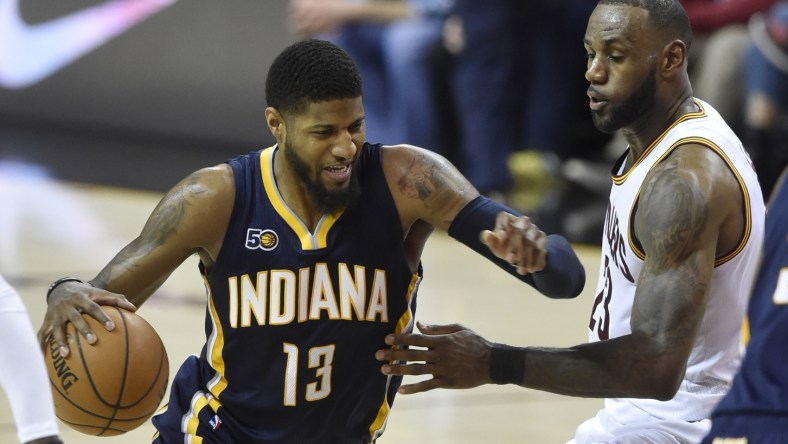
<point x="325" y="224"/>
<point x="743" y="187"/>
<point x="745" y="331"/>
<point x="403" y="324"/>
<point x="192" y="419"/>
<point x="375" y="429"/>
<point x="216" y="346"/>
<point x="308" y="241"/>
<point x="618" y="180"/>
<point x="407" y="317"/>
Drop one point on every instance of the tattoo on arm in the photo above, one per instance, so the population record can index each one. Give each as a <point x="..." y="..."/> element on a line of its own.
<point x="420" y="180"/>
<point x="162" y="224"/>
<point x="672" y="224"/>
<point x="434" y="185"/>
<point x="675" y="217"/>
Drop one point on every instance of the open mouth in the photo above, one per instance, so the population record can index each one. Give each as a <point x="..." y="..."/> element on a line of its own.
<point x="338" y="173"/>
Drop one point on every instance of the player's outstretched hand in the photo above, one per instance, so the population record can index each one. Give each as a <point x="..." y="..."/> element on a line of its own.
<point x="454" y="355"/>
<point x="518" y="241"/>
<point x="67" y="302"/>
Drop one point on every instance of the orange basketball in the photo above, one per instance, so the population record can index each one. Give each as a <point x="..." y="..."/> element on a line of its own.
<point x="114" y="385"/>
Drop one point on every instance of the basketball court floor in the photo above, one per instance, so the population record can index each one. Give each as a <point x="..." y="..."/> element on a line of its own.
<point x="50" y="228"/>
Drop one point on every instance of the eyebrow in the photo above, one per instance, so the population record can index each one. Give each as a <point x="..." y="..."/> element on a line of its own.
<point x="322" y="126"/>
<point x="609" y="41"/>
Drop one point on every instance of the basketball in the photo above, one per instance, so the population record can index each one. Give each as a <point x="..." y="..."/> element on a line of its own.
<point x="114" y="385"/>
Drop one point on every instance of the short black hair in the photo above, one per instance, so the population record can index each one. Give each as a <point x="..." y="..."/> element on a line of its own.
<point x="310" y="71"/>
<point x="666" y="15"/>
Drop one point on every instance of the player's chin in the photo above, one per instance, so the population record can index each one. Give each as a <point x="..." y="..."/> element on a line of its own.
<point x="603" y="123"/>
<point x="332" y="185"/>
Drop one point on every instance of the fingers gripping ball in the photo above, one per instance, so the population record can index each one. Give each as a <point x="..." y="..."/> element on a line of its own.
<point x="114" y="385"/>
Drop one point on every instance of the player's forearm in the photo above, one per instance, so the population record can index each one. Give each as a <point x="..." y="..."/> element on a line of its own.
<point x="563" y="275"/>
<point x="618" y="367"/>
<point x="135" y="272"/>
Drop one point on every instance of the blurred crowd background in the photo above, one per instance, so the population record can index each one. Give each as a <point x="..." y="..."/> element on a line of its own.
<point x="138" y="93"/>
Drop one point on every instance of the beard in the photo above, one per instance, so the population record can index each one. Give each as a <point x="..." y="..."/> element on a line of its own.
<point x="327" y="201"/>
<point x="638" y="105"/>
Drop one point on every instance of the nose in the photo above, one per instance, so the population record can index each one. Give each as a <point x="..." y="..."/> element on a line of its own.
<point x="595" y="72"/>
<point x="345" y="147"/>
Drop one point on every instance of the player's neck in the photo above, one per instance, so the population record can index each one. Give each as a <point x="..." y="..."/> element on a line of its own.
<point x="642" y="137"/>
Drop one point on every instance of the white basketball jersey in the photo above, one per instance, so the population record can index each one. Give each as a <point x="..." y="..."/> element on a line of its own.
<point x="715" y="356"/>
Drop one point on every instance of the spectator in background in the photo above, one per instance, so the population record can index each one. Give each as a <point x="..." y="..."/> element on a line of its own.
<point x="393" y="42"/>
<point x="512" y="88"/>
<point x="719" y="40"/>
<point x="766" y="94"/>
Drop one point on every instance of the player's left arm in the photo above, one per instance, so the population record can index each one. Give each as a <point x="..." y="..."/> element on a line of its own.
<point x="427" y="187"/>
<point x="682" y="206"/>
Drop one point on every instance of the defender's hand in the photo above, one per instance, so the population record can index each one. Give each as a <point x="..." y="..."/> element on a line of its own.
<point x="455" y="356"/>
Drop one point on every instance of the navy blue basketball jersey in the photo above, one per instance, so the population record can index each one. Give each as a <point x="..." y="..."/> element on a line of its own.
<point x="757" y="403"/>
<point x="294" y="317"/>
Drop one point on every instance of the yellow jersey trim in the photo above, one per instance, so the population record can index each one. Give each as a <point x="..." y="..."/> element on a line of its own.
<point x="199" y="402"/>
<point x="216" y="358"/>
<point x="402" y="324"/>
<point x="308" y="240"/>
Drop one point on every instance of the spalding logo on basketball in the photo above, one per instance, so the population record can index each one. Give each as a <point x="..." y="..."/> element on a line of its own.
<point x="114" y="385"/>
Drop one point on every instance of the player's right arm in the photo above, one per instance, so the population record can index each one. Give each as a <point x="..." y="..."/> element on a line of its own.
<point x="191" y="218"/>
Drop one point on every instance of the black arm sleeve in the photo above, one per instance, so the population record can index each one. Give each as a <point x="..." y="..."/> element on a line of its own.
<point x="563" y="277"/>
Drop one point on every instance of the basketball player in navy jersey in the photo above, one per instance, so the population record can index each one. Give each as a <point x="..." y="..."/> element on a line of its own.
<point x="682" y="238"/>
<point x="755" y="410"/>
<point x="310" y="253"/>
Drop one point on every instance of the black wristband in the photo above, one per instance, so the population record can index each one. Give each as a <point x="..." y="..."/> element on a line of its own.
<point x="60" y="281"/>
<point x="507" y="364"/>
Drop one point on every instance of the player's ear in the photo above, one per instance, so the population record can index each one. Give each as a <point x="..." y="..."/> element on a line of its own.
<point x="275" y="121"/>
<point x="674" y="57"/>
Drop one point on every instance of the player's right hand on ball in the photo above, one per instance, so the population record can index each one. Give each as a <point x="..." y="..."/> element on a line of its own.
<point x="67" y="302"/>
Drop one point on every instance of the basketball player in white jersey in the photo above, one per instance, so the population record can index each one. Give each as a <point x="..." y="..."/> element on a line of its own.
<point x="682" y="239"/>
<point x="23" y="375"/>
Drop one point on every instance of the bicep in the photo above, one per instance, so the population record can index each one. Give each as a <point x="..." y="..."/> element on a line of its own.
<point x="190" y="218"/>
<point x="425" y="186"/>
<point x="677" y="230"/>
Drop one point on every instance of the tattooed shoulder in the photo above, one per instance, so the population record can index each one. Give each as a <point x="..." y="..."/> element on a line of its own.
<point x="174" y="209"/>
<point x="673" y="210"/>
<point x="430" y="178"/>
<point x="420" y="178"/>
